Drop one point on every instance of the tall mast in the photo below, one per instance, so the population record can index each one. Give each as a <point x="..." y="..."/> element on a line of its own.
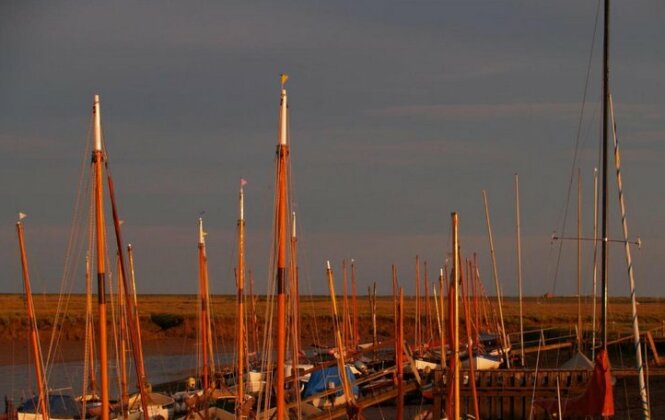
<point x="417" y="280"/>
<point x="469" y="337"/>
<point x="429" y="332"/>
<point x="495" y="273"/>
<point x="252" y="311"/>
<point x="518" y="236"/>
<point x="354" y="303"/>
<point x="442" y="332"/>
<point x="346" y="387"/>
<point x="281" y="219"/>
<point x="42" y="393"/>
<point x="595" y="262"/>
<point x="604" y="249"/>
<point x="132" y="308"/>
<point x="455" y="323"/>
<point x="240" y="335"/>
<point x="124" y="393"/>
<point x="97" y="161"/>
<point x="375" y="338"/>
<point x="132" y="311"/>
<point x="295" y="298"/>
<point x="400" y="356"/>
<point x="579" y="260"/>
<point x="345" y="307"/>
<point x="395" y="316"/>
<point x="89" y="348"/>
<point x="646" y="414"/>
<point x="135" y="325"/>
<point x="203" y="310"/>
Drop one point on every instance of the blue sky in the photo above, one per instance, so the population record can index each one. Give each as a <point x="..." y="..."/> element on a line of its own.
<point x="400" y="113"/>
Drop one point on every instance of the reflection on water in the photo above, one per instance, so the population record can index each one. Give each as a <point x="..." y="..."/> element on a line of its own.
<point x="17" y="382"/>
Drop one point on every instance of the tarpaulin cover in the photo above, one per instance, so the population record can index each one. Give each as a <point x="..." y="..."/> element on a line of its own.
<point x="319" y="380"/>
<point x="60" y="406"/>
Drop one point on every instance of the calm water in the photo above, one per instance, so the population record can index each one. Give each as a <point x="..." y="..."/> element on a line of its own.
<point x="18" y="381"/>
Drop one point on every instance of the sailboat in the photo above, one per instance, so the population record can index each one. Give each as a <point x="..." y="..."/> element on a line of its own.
<point x="145" y="403"/>
<point x="44" y="405"/>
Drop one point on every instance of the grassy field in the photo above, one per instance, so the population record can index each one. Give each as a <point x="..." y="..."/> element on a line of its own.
<point x="175" y="315"/>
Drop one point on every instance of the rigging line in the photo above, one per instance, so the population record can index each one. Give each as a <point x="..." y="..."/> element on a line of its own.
<point x="303" y="251"/>
<point x="269" y="312"/>
<point x="70" y="245"/>
<point x="577" y="148"/>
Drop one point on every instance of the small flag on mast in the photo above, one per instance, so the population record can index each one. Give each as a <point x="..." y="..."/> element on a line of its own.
<point x="243" y="182"/>
<point x="22" y="215"/>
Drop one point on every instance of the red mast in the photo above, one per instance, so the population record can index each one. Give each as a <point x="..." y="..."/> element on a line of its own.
<point x="42" y="394"/>
<point x="281" y="209"/>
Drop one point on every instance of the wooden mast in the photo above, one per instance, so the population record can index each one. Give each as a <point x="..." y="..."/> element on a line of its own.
<point x="595" y="263"/>
<point x="455" y="323"/>
<point x="476" y="311"/>
<point x="400" y="357"/>
<point x="345" y="307"/>
<point x="428" y="316"/>
<point x="240" y="334"/>
<point x="281" y="219"/>
<point x="294" y="292"/>
<point x="89" y="347"/>
<point x="97" y="161"/>
<point x="469" y="340"/>
<point x="346" y="386"/>
<point x="124" y="393"/>
<point x="137" y="342"/>
<point x="417" y="323"/>
<point x="579" y="260"/>
<point x="354" y="303"/>
<point x="395" y="316"/>
<point x="442" y="331"/>
<point x="518" y="237"/>
<point x="132" y="306"/>
<point x="375" y="338"/>
<point x="42" y="393"/>
<point x="252" y="310"/>
<point x="495" y="274"/>
<point x="203" y="309"/>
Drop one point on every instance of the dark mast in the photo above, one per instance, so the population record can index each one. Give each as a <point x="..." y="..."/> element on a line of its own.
<point x="606" y="75"/>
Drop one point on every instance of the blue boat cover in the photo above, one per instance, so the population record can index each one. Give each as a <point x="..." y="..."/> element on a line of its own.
<point x="318" y="381"/>
<point x="60" y="406"/>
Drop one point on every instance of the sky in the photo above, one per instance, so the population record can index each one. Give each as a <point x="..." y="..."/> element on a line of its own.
<point x="400" y="113"/>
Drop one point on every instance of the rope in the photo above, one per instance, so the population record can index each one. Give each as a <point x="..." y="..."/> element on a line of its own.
<point x="576" y="150"/>
<point x="535" y="378"/>
<point x="73" y="244"/>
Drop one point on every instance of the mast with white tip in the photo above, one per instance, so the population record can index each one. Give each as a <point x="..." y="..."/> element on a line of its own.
<point x="281" y="210"/>
<point x="97" y="161"/>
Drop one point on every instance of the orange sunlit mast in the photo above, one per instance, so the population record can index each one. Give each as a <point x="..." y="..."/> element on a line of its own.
<point x="97" y="161"/>
<point x="240" y="336"/>
<point x="281" y="208"/>
<point x="203" y="310"/>
<point x="42" y="394"/>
